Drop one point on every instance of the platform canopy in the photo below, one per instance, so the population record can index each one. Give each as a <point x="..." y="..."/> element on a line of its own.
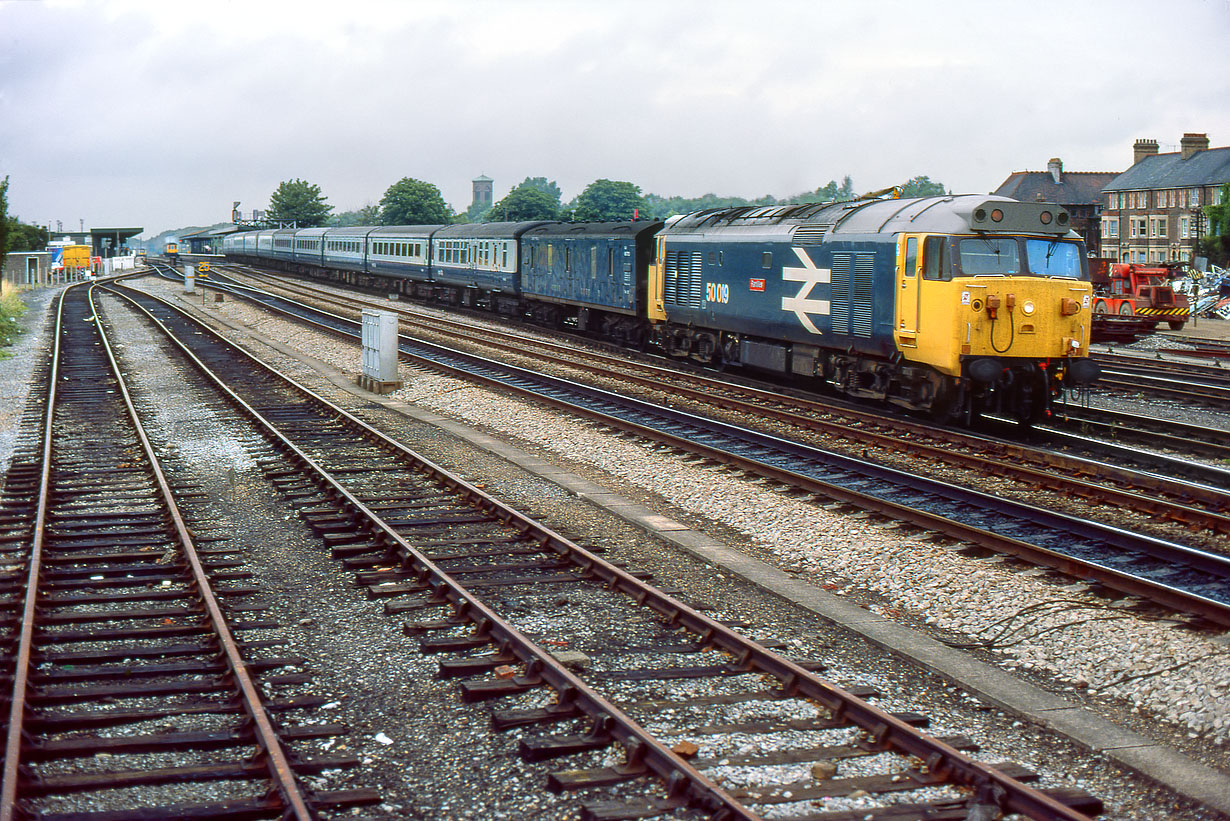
<point x="107" y="241"/>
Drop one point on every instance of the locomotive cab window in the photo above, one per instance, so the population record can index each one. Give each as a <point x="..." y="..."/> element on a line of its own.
<point x="936" y="263"/>
<point x="911" y="256"/>
<point x="987" y="255"/>
<point x="1053" y="258"/>
<point x="766" y="260"/>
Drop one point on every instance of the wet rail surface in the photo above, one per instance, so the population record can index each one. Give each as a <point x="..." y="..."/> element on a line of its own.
<point x="457" y="563"/>
<point x="1176" y="576"/>
<point x="130" y="691"/>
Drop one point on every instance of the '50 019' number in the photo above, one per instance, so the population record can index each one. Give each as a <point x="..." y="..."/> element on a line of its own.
<point x="717" y="292"/>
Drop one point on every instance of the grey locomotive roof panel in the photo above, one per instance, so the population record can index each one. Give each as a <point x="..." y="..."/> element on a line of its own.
<point x="1211" y="167"/>
<point x="942" y="215"/>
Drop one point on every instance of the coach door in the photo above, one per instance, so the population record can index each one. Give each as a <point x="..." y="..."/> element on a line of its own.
<point x="908" y="256"/>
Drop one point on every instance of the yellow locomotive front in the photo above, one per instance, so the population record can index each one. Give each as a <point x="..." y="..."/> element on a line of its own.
<point x="1001" y="313"/>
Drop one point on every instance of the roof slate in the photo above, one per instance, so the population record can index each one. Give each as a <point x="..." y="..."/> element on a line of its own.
<point x="1211" y="167"/>
<point x="1074" y="188"/>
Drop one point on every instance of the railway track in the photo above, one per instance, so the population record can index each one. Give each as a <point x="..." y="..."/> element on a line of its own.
<point x="130" y="688"/>
<point x="1117" y="428"/>
<point x="1144" y="491"/>
<point x="1176" y="576"/>
<point x="460" y="565"/>
<point x="1205" y="384"/>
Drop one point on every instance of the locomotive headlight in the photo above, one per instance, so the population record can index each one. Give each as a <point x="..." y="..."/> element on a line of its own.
<point x="1028" y="307"/>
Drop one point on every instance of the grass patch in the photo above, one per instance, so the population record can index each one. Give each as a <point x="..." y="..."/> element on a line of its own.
<point x="11" y="307"/>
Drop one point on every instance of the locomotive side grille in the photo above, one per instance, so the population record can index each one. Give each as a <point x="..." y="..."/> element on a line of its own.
<point x="683" y="286"/>
<point x="860" y="294"/>
<point x="811" y="234"/>
<point x="839" y="304"/>
<point x="670" y="289"/>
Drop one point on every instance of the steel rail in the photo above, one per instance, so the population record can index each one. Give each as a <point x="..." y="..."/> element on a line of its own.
<point x="1183" y="601"/>
<point x="291" y="795"/>
<point x="643" y="749"/>
<point x="1005" y="456"/>
<point x="25" y="644"/>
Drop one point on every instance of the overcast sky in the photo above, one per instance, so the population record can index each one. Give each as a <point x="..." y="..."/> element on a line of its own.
<point x="161" y="114"/>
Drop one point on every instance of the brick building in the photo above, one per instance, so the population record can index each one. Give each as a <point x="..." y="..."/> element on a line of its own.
<point x="1152" y="212"/>
<point x="1079" y="192"/>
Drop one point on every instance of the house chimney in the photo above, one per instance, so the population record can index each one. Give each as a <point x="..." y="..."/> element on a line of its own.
<point x="1191" y="143"/>
<point x="1142" y="149"/>
<point x="1055" y="166"/>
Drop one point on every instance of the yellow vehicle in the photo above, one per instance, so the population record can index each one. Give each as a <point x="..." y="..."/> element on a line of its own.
<point x="76" y="257"/>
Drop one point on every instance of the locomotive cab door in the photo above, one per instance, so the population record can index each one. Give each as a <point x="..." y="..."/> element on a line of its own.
<point x="908" y="292"/>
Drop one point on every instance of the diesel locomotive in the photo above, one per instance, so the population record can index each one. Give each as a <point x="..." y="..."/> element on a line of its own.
<point x="952" y="305"/>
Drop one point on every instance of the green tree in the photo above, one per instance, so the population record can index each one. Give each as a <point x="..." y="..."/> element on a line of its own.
<point x="413" y="202"/>
<point x="1219" y="215"/>
<point x="922" y="187"/>
<point x="300" y="201"/>
<point x="23" y="237"/>
<point x="4" y="218"/>
<point x="525" y="202"/>
<point x="367" y="215"/>
<point x="546" y="186"/>
<point x="605" y="200"/>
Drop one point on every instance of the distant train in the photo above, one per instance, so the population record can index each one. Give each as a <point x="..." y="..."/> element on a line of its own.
<point x="954" y="305"/>
<point x="171" y="252"/>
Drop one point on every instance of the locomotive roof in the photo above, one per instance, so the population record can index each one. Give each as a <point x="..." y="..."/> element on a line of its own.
<point x="954" y="214"/>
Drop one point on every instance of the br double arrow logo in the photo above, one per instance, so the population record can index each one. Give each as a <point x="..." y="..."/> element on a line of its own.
<point x="801" y="304"/>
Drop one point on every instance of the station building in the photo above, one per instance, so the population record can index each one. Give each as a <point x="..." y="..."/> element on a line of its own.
<point x="100" y="248"/>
